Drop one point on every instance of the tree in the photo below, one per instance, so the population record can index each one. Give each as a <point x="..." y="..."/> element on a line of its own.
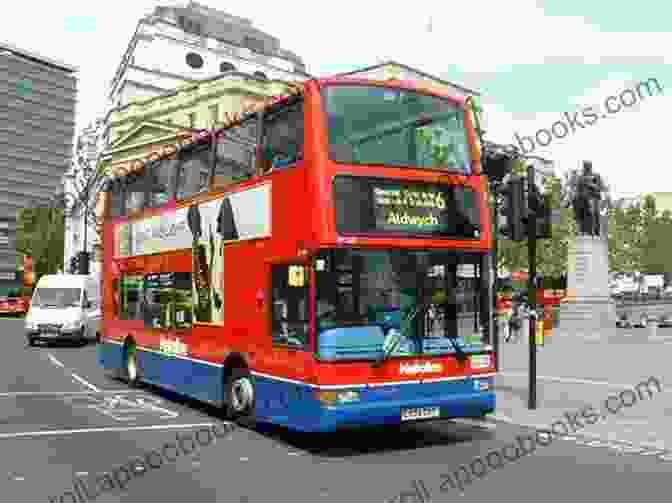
<point x="551" y="253"/>
<point x="40" y="234"/>
<point x="656" y="257"/>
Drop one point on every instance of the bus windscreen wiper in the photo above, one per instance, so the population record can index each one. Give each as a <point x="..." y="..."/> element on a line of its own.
<point x="388" y="352"/>
<point x="459" y="352"/>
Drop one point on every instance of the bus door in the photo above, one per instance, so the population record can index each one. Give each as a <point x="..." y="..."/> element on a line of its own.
<point x="290" y="354"/>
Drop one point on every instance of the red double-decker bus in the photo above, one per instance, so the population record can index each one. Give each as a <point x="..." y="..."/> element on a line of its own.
<point x="322" y="261"/>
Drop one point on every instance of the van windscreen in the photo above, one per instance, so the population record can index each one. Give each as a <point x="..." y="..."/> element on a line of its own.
<point x="57" y="297"/>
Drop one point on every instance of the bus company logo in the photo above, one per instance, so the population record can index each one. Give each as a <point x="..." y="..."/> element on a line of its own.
<point x="420" y="368"/>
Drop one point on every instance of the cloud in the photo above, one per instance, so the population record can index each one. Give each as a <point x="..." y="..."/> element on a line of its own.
<point x="465" y="47"/>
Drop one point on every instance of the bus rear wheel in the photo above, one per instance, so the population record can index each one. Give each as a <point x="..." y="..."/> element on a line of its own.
<point x="131" y="371"/>
<point x="240" y="396"/>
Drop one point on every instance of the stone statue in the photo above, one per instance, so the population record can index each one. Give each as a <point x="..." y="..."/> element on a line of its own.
<point x="587" y="201"/>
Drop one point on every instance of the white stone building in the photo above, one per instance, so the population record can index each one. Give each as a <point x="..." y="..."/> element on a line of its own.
<point x="188" y="41"/>
<point x="173" y="45"/>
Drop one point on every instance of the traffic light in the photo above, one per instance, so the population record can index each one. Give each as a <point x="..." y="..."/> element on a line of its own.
<point x="514" y="210"/>
<point x="83" y="262"/>
<point x="74" y="264"/>
<point x="496" y="166"/>
<point x="544" y="217"/>
<point x="539" y="208"/>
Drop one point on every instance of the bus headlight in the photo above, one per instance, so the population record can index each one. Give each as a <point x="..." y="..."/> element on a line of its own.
<point x="337" y="397"/>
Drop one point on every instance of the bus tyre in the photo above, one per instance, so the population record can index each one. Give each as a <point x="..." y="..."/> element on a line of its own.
<point x="132" y="370"/>
<point x="239" y="398"/>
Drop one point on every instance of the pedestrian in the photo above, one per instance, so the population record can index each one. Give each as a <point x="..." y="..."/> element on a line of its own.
<point x="515" y="323"/>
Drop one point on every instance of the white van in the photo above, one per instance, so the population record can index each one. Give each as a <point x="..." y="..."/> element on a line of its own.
<point x="64" y="307"/>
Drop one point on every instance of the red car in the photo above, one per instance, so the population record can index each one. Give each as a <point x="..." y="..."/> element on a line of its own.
<point x="14" y="305"/>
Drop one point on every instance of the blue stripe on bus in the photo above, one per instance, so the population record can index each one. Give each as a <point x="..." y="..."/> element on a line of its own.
<point x="293" y="404"/>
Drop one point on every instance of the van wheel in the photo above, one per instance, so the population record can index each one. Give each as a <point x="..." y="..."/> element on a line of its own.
<point x="82" y="336"/>
<point x="132" y="370"/>
<point x="240" y="397"/>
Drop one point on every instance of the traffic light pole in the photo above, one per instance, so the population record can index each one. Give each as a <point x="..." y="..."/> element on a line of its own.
<point x="532" y="297"/>
<point x="495" y="244"/>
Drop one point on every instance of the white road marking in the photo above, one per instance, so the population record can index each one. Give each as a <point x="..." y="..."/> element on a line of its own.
<point x="570" y="380"/>
<point x="592" y="436"/>
<point x="82" y="381"/>
<point x="120" y="408"/>
<point x="55" y="361"/>
<point x="483" y="424"/>
<point x="64" y="393"/>
<point x="45" y="433"/>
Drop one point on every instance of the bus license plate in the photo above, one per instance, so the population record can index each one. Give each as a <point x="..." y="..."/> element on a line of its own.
<point x="421" y="413"/>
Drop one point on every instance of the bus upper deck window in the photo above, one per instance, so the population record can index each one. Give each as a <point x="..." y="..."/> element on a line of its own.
<point x="193" y="172"/>
<point x="117" y="196"/>
<point x="160" y="177"/>
<point x="282" y="143"/>
<point x="135" y="193"/>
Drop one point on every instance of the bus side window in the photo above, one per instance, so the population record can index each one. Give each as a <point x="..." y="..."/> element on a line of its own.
<point x="290" y="306"/>
<point x="282" y="136"/>
<point x="236" y="154"/>
<point x="160" y="178"/>
<point x="117" y="199"/>
<point x="131" y="297"/>
<point x="136" y="192"/>
<point x="193" y="171"/>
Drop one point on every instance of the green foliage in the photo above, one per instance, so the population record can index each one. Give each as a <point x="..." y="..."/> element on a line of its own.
<point x="41" y="235"/>
<point x="551" y="253"/>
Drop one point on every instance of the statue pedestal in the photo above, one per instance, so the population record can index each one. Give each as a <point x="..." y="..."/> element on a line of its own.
<point x="588" y="306"/>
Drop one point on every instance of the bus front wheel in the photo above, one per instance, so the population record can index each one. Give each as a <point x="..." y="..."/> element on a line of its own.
<point x="239" y="400"/>
<point x="132" y="371"/>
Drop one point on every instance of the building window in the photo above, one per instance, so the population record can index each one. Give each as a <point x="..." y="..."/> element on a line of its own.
<point x="214" y="114"/>
<point x="227" y="67"/>
<point x="194" y="60"/>
<point x="254" y="44"/>
<point x="189" y="26"/>
<point x="260" y="75"/>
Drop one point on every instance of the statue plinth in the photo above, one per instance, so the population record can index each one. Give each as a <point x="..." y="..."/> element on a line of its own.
<point x="588" y="304"/>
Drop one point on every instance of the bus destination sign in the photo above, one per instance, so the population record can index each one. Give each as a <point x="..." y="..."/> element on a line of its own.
<point x="376" y="206"/>
<point x="409" y="209"/>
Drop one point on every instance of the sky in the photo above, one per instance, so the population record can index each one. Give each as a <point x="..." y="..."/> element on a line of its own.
<point x="533" y="61"/>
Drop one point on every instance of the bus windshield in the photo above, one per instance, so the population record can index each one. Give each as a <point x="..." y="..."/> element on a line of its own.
<point x="395" y="127"/>
<point x="428" y="298"/>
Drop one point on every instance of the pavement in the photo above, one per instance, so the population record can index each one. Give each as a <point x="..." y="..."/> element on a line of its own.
<point x="575" y="371"/>
<point x="61" y="418"/>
